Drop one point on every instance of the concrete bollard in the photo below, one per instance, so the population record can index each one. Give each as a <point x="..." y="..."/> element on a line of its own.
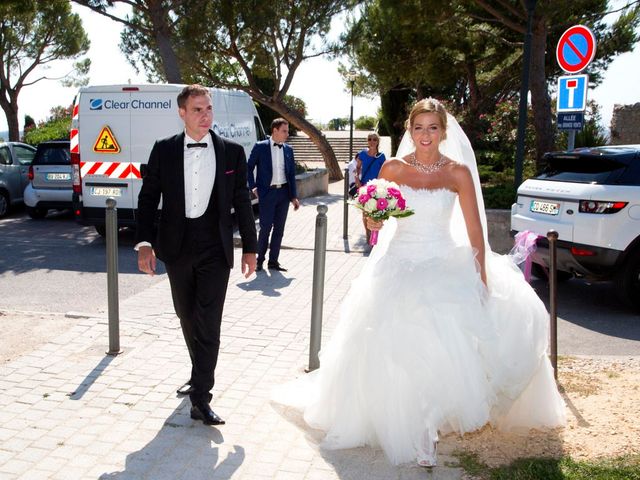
<point x="552" y="236"/>
<point x="317" y="297"/>
<point x="111" y="221"/>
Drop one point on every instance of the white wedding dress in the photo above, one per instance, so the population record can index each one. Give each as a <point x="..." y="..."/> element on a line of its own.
<point x="423" y="347"/>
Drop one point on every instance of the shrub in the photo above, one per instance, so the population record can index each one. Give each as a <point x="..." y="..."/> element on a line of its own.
<point x="365" y="123"/>
<point x="56" y="127"/>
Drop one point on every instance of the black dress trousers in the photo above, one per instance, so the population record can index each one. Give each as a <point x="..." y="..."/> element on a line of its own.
<point x="199" y="279"/>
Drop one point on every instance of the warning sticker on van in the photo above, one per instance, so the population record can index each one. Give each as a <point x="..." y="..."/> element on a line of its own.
<point x="106" y="142"/>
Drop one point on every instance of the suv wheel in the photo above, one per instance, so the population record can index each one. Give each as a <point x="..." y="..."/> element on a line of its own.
<point x="4" y="203"/>
<point x="543" y="273"/>
<point x="37" y="213"/>
<point x="627" y="282"/>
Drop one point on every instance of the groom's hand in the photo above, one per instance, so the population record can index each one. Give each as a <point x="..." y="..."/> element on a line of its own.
<point x="248" y="264"/>
<point x="147" y="260"/>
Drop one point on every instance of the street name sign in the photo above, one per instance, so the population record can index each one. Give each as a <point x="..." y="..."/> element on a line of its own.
<point x="570" y="120"/>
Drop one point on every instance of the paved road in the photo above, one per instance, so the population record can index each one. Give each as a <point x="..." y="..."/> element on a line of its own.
<point x="591" y="320"/>
<point x="55" y="265"/>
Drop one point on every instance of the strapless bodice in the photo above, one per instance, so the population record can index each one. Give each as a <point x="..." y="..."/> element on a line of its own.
<point x="428" y="228"/>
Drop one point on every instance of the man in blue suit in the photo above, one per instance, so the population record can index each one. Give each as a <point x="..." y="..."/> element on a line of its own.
<point x="275" y="186"/>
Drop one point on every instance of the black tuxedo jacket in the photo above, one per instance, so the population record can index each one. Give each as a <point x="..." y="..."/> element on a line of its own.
<point x="164" y="177"/>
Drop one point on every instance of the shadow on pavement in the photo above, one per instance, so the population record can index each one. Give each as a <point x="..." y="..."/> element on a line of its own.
<point x="91" y="378"/>
<point x="268" y="282"/>
<point x="183" y="448"/>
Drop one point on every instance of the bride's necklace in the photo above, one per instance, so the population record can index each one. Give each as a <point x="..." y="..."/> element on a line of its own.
<point x="431" y="168"/>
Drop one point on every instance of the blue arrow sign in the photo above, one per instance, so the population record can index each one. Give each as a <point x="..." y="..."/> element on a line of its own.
<point x="572" y="93"/>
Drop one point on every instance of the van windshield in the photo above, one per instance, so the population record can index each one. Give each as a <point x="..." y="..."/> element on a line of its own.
<point x="582" y="170"/>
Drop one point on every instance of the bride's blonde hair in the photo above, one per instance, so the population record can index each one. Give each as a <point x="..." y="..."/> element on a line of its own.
<point x="428" y="105"/>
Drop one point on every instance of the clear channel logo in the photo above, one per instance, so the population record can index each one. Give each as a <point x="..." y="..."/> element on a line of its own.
<point x="134" y="104"/>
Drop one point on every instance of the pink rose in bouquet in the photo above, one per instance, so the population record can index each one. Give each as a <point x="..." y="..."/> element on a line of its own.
<point x="381" y="199"/>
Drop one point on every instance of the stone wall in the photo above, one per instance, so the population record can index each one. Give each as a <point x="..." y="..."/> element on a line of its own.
<point x="625" y="125"/>
<point x="312" y="182"/>
<point x="499" y="226"/>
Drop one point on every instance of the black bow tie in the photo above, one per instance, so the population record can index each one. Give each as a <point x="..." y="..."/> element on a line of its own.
<point x="279" y="145"/>
<point x="196" y="145"/>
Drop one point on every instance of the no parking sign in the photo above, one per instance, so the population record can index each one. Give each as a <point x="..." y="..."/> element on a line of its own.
<point x="576" y="48"/>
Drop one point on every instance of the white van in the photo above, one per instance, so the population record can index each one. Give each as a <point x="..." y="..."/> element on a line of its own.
<point x="113" y="129"/>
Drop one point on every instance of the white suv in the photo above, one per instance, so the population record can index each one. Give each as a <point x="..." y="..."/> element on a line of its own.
<point x="591" y="197"/>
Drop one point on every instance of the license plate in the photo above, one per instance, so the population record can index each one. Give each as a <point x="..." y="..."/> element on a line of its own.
<point x="58" y="176"/>
<point x="106" y="191"/>
<point x="547" y="208"/>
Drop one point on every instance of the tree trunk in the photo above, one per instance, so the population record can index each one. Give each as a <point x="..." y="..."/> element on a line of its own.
<point x="540" y="100"/>
<point x="10" y="108"/>
<point x="170" y="64"/>
<point x="472" y="116"/>
<point x="319" y="140"/>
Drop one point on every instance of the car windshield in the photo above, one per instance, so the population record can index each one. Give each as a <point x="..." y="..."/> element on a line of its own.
<point x="50" y="155"/>
<point x="582" y="170"/>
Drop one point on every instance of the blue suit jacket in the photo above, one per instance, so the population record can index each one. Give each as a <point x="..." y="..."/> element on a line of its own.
<point x="260" y="159"/>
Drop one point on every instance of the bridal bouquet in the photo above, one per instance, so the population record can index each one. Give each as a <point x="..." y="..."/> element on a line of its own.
<point x="381" y="199"/>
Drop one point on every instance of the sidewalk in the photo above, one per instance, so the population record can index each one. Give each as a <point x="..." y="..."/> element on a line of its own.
<point x="68" y="411"/>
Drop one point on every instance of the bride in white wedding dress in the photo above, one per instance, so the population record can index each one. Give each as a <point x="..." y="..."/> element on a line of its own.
<point x="438" y="334"/>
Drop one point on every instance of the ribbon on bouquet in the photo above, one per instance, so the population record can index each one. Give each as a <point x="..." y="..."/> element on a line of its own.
<point x="525" y="245"/>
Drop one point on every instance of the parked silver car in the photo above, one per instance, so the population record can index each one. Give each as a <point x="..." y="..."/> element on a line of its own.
<point x="15" y="158"/>
<point x="50" y="183"/>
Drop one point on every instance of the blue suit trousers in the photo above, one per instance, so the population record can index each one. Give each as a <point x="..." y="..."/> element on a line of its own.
<point x="274" y="206"/>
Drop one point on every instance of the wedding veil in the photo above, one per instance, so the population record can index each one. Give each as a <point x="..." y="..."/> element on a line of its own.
<point x="457" y="147"/>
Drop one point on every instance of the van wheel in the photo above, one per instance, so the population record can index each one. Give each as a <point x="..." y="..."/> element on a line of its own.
<point x="4" y="203"/>
<point x="37" y="213"/>
<point x="102" y="230"/>
<point x="627" y="282"/>
<point x="543" y="274"/>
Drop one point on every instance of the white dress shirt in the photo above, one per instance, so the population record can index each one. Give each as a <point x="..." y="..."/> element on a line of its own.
<point x="277" y="164"/>
<point x="199" y="174"/>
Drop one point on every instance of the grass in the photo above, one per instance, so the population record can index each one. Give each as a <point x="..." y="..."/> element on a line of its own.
<point x="622" y="468"/>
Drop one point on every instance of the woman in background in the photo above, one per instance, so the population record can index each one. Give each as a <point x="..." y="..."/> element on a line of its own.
<point x="368" y="164"/>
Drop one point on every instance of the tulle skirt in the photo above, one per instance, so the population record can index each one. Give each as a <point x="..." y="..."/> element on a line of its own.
<point x="423" y="346"/>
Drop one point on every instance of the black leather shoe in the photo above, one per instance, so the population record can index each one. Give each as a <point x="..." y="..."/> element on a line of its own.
<point x="185" y="389"/>
<point x="276" y="266"/>
<point x="259" y="267"/>
<point x="202" y="411"/>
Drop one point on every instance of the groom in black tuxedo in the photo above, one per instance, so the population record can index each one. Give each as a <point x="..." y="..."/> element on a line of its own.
<point x="199" y="176"/>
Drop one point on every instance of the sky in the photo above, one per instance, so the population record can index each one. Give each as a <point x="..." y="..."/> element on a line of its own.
<point x="317" y="80"/>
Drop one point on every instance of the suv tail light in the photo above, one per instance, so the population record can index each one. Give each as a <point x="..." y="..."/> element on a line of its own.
<point x="75" y="173"/>
<point x="30" y="174"/>
<point x="597" y="206"/>
<point x="582" y="252"/>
